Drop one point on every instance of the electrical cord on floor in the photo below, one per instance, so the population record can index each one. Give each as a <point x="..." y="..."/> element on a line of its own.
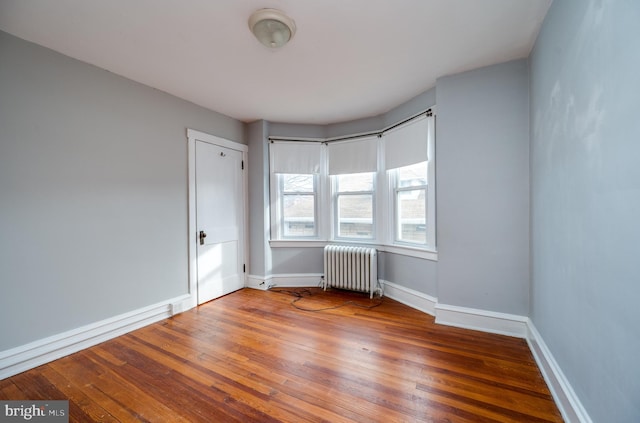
<point x="305" y="293"/>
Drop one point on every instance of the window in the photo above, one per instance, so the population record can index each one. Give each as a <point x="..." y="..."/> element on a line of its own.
<point x="298" y="202"/>
<point x="409" y="160"/>
<point x="354" y="205"/>
<point x="410" y="203"/>
<point x="375" y="188"/>
<point x="295" y="169"/>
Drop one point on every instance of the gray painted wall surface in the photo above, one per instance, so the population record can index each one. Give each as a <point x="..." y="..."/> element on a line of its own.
<point x="93" y="189"/>
<point x="585" y="145"/>
<point x="411" y="107"/>
<point x="277" y="129"/>
<point x="259" y="226"/>
<point x="297" y="260"/>
<point x="483" y="188"/>
<point x="358" y="126"/>
<point x="416" y="105"/>
<point x="411" y="272"/>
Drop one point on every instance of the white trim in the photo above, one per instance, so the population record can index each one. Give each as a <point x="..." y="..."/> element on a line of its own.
<point x="33" y="354"/>
<point x="181" y="304"/>
<point x="414" y="299"/>
<point x="192" y="137"/>
<point x="258" y="282"/>
<point x="291" y="280"/>
<point x="483" y="320"/>
<point x="410" y="252"/>
<point x="297" y="243"/>
<point x="565" y="397"/>
<point x="192" y="268"/>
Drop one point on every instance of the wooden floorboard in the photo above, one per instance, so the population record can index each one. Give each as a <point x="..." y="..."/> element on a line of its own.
<point x="296" y="355"/>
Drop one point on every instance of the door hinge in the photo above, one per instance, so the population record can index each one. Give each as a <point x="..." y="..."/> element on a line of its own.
<point x="242" y="165"/>
<point x="244" y="268"/>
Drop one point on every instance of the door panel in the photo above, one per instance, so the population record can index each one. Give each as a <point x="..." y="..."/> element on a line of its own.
<point x="220" y="215"/>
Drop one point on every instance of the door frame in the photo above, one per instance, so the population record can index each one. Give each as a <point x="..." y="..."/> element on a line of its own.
<point x="192" y="137"/>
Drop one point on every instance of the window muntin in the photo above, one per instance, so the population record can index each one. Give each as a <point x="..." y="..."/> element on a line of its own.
<point x="298" y="205"/>
<point x="410" y="204"/>
<point x="354" y="205"/>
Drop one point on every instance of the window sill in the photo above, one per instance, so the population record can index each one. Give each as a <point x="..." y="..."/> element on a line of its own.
<point x="298" y="243"/>
<point x="410" y="251"/>
<point x="394" y="249"/>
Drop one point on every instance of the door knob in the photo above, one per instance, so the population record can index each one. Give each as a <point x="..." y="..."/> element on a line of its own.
<point x="202" y="236"/>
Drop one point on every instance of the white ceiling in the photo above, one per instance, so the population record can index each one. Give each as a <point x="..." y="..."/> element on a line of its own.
<point x="349" y="58"/>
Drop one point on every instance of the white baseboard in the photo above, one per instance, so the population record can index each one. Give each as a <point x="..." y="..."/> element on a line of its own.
<point x="565" y="397"/>
<point x="292" y="280"/>
<point x="468" y="318"/>
<point x="28" y="356"/>
<point x="289" y="280"/>
<point x="414" y="299"/>
<point x="258" y="282"/>
<point x="183" y="303"/>
<point x="482" y="320"/>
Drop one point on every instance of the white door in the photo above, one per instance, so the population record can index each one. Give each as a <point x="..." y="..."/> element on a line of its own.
<point x="219" y="220"/>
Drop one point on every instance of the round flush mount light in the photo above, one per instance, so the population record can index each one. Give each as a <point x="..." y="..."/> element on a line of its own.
<point x="272" y="27"/>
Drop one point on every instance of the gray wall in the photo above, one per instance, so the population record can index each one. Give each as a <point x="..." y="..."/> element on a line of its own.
<point x="259" y="226"/>
<point x="585" y="178"/>
<point x="297" y="260"/>
<point x="483" y="188"/>
<point x="277" y="129"/>
<point x="411" y="272"/>
<point x="411" y="107"/>
<point x="93" y="191"/>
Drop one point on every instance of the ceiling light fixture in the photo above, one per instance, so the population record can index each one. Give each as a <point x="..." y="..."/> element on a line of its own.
<point x="272" y="27"/>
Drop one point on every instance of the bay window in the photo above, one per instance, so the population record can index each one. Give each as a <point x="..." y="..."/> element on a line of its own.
<point x="376" y="188"/>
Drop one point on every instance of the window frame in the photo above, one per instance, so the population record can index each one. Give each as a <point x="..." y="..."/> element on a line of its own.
<point x="335" y="198"/>
<point x="278" y="223"/>
<point x="395" y="191"/>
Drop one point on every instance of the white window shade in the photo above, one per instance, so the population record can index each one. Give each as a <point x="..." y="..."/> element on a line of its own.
<point x="407" y="144"/>
<point x="295" y="157"/>
<point x="353" y="156"/>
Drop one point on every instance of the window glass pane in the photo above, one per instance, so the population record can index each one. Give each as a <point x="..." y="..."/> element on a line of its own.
<point x="355" y="182"/>
<point x="355" y="216"/>
<point x="411" y="216"/>
<point x="298" y="212"/>
<point x="297" y="183"/>
<point x="413" y="175"/>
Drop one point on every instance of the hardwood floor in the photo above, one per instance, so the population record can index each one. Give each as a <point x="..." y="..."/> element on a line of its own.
<point x="252" y="356"/>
